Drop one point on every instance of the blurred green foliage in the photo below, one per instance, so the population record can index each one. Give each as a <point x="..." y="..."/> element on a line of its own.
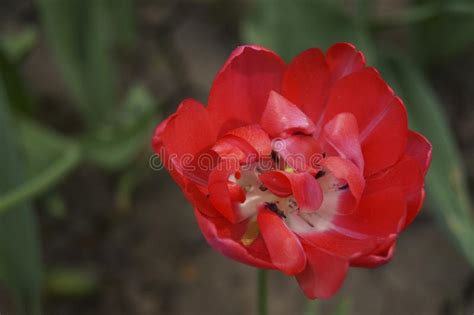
<point x="447" y="30"/>
<point x="17" y="45"/>
<point x="71" y="282"/>
<point x="20" y="267"/>
<point x="48" y="157"/>
<point x="115" y="144"/>
<point x="82" y="36"/>
<point x="85" y="36"/>
<point x="289" y="27"/>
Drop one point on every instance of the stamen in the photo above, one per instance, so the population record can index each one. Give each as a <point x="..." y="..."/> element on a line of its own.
<point x="263" y="188"/>
<point x="320" y="174"/>
<point x="250" y="234"/>
<point x="275" y="157"/>
<point x="306" y="220"/>
<point x="343" y="187"/>
<point x="274" y="208"/>
<point x="292" y="205"/>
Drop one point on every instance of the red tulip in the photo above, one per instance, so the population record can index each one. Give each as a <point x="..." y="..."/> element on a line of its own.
<point x="307" y="168"/>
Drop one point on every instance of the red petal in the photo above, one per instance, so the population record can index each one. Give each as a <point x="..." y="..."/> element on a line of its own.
<point x="245" y="144"/>
<point x="419" y="149"/>
<point x="323" y="275"/>
<point x="306" y="190"/>
<point x="225" y="238"/>
<point x="256" y="137"/>
<point x="382" y="255"/>
<point x="347" y="171"/>
<point x="342" y="134"/>
<point x="284" y="248"/>
<point x="414" y="204"/>
<point x="277" y="182"/>
<point x="241" y="88"/>
<point x="380" y="116"/>
<point x="190" y="131"/>
<point x="384" y="136"/>
<point x="164" y="155"/>
<point x="198" y="198"/>
<point x="232" y="147"/>
<point x="306" y="82"/>
<point x="236" y="193"/>
<point x="379" y="214"/>
<point x="282" y="117"/>
<point x="300" y="152"/>
<point x="304" y="187"/>
<point x="156" y="141"/>
<point x="197" y="167"/>
<point x="219" y="194"/>
<point x="341" y="244"/>
<point x="344" y="59"/>
<point x="178" y="149"/>
<point x="407" y="176"/>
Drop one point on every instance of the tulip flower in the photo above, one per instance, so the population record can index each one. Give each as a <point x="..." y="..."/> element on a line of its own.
<point x="306" y="168"/>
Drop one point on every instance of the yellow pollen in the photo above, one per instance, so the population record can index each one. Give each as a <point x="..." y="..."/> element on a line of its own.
<point x="251" y="234"/>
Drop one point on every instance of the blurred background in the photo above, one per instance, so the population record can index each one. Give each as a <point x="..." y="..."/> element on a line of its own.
<point x="86" y="225"/>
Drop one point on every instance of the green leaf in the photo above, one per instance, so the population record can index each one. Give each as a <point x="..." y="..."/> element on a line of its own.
<point x="447" y="190"/>
<point x="61" y="21"/>
<point x="446" y="33"/>
<point x="66" y="282"/>
<point x="17" y="45"/>
<point x="82" y="34"/>
<point x="123" y="21"/>
<point x="48" y="158"/>
<point x="14" y="86"/>
<point x="115" y="145"/>
<point x="289" y="27"/>
<point x="19" y="247"/>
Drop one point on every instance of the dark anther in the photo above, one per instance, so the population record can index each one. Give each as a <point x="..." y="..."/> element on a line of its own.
<point x="344" y="187"/>
<point x="275" y="157"/>
<point x="320" y="174"/>
<point x="207" y="196"/>
<point x="263" y="188"/>
<point x="274" y="208"/>
<point x="324" y="155"/>
<point x="307" y="222"/>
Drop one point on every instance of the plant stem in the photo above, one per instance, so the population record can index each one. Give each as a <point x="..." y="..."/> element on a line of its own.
<point x="311" y="307"/>
<point x="262" y="288"/>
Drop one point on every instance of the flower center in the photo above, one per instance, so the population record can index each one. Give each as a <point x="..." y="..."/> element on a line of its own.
<point x="287" y="208"/>
<point x="257" y="194"/>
